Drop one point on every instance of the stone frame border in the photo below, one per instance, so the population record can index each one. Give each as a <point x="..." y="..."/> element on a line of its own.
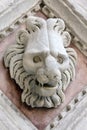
<point x="14" y="116"/>
<point x="69" y="109"/>
<point x="55" y="123"/>
<point x="15" y="11"/>
<point x="13" y="18"/>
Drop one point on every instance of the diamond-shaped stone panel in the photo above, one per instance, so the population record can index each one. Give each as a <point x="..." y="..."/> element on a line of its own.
<point x="40" y="117"/>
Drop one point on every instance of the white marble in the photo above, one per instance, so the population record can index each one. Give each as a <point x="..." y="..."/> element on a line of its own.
<point x="74" y="13"/>
<point x="76" y="118"/>
<point x="41" y="62"/>
<point x="11" y="10"/>
<point x="11" y="118"/>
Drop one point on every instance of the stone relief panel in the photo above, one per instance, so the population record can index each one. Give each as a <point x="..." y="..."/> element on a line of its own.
<point x="41" y="61"/>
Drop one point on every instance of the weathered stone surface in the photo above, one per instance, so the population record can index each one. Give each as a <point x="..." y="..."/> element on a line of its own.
<point x="76" y="118"/>
<point x="5" y="4"/>
<point x="80" y="8"/>
<point x="40" y="117"/>
<point x="75" y="15"/>
<point x="11" y="10"/>
<point x="41" y="61"/>
<point x="11" y="118"/>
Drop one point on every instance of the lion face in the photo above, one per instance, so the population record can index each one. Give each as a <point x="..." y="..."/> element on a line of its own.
<point x="41" y="62"/>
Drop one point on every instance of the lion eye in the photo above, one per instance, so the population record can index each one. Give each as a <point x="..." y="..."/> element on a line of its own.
<point x="37" y="59"/>
<point x="60" y="59"/>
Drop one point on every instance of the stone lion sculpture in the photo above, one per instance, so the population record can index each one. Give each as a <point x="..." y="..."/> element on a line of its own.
<point x="41" y="62"/>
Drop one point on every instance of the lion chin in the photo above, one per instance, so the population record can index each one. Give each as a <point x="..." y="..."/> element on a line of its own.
<point x="41" y="62"/>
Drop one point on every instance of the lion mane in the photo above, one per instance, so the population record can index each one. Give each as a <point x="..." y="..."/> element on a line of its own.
<point x="13" y="59"/>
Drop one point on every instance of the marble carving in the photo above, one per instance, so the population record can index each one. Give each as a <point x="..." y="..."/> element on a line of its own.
<point x="41" y="62"/>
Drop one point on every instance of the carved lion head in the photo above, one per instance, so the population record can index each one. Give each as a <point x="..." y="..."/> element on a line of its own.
<point x="41" y="62"/>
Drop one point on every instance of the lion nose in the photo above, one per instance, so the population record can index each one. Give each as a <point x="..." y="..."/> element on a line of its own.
<point x="41" y="77"/>
<point x="51" y="63"/>
<point x="52" y="70"/>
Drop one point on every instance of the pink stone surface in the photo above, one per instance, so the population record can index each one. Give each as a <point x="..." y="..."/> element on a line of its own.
<point x="40" y="117"/>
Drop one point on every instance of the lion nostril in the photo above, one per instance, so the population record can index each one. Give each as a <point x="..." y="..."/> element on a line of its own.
<point x="47" y="76"/>
<point x="54" y="77"/>
<point x="53" y="74"/>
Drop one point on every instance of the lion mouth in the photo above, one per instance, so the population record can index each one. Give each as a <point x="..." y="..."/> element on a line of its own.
<point x="45" y="85"/>
<point x="44" y="89"/>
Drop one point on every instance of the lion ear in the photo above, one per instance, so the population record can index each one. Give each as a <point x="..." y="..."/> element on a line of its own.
<point x="66" y="38"/>
<point x="22" y="36"/>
